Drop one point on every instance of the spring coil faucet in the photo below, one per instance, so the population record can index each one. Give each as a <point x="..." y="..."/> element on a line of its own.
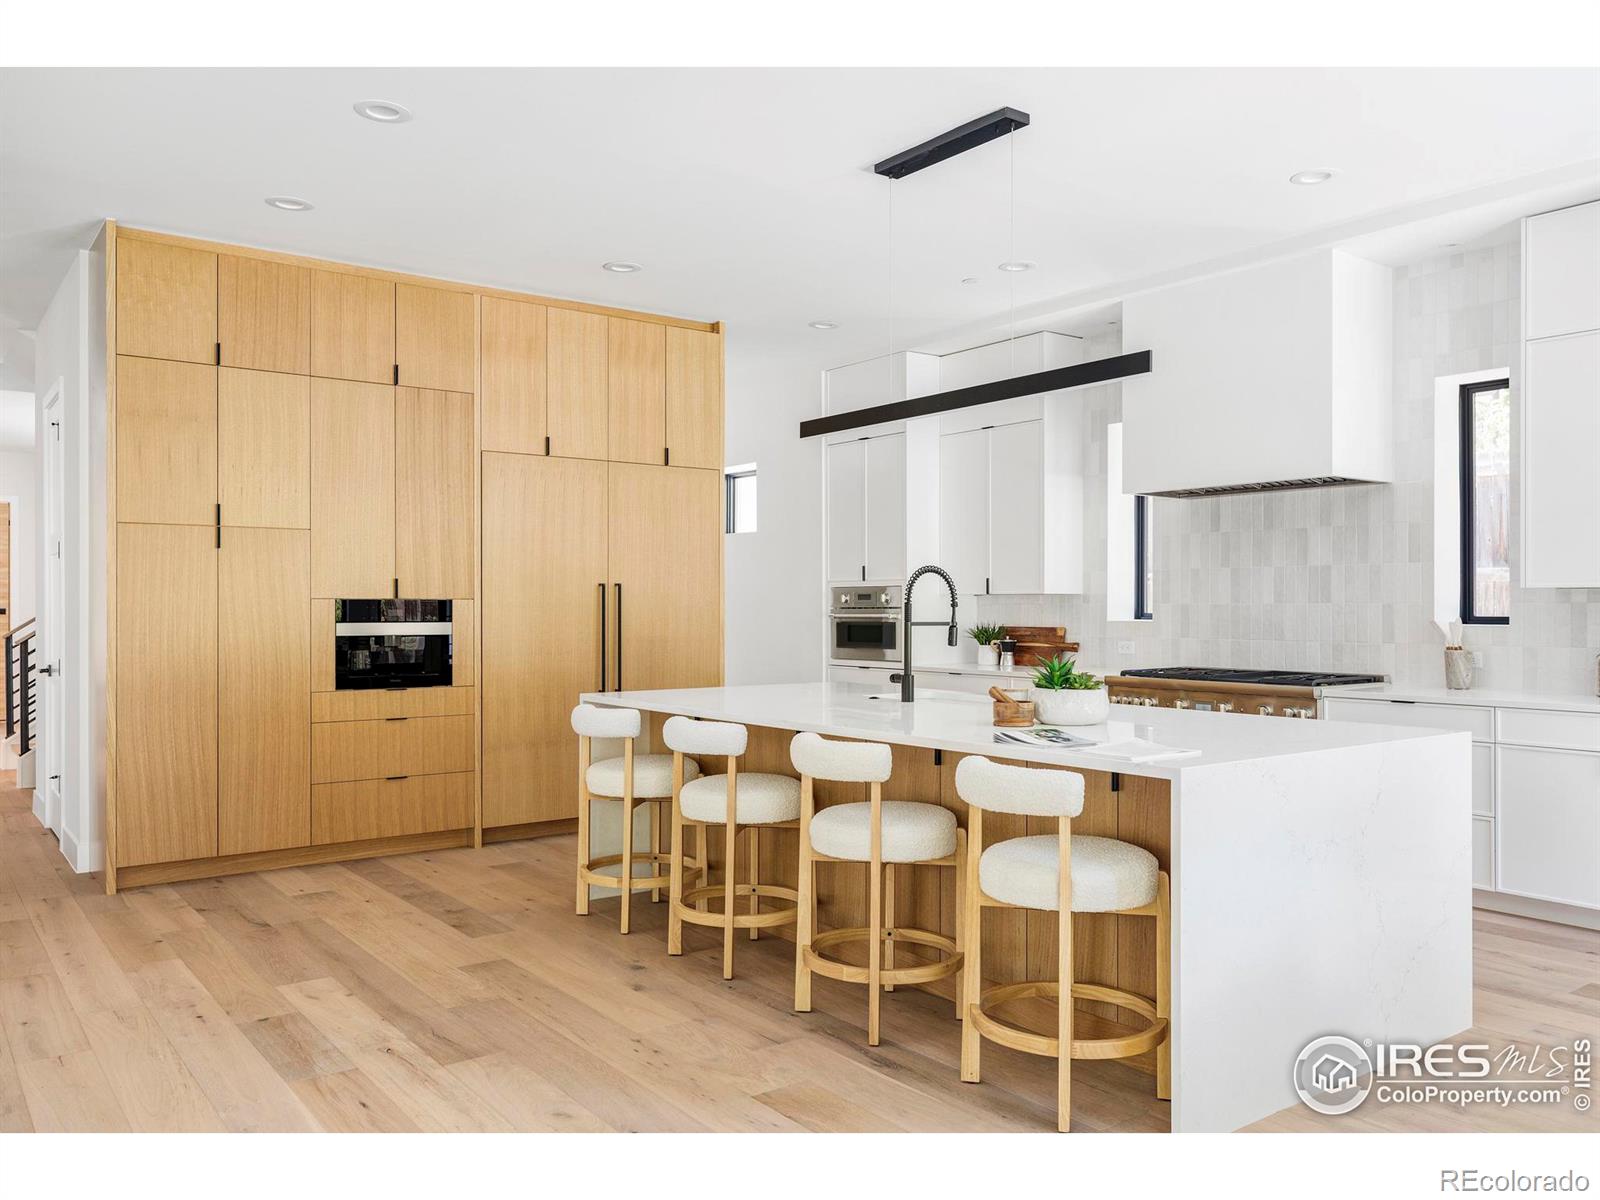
<point x="907" y="679"/>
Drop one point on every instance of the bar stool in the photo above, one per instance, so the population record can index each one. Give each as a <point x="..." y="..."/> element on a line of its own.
<point x="1063" y="874"/>
<point x="740" y="803"/>
<point x="632" y="778"/>
<point x="881" y="834"/>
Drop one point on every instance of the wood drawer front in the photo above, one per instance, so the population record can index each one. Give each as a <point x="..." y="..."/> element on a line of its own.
<point x="378" y="704"/>
<point x="1545" y="727"/>
<point x="380" y="808"/>
<point x="343" y="750"/>
<point x="1479" y="722"/>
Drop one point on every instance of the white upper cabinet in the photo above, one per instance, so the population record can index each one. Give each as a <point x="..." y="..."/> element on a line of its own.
<point x="1003" y="360"/>
<point x="886" y="507"/>
<point x="1016" y="547"/>
<point x="1560" y="275"/>
<point x="1270" y="375"/>
<point x="875" y="381"/>
<point x="867" y="509"/>
<point x="964" y="509"/>
<point x="847" y="511"/>
<point x="1559" y="404"/>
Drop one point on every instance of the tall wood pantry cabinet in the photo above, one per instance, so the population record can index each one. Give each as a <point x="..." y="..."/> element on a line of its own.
<point x="285" y="433"/>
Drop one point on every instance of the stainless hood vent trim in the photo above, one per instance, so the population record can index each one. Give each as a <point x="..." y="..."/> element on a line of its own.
<point x="1274" y="485"/>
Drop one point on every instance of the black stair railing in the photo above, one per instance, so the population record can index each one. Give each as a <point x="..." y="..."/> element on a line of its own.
<point x="22" y="685"/>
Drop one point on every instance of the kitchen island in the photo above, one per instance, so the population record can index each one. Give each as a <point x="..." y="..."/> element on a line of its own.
<point x="1320" y="870"/>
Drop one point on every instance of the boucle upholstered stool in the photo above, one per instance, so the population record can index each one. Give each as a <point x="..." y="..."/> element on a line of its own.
<point x="1063" y="874"/>
<point x="740" y="803"/>
<point x="633" y="779"/>
<point x="881" y="834"/>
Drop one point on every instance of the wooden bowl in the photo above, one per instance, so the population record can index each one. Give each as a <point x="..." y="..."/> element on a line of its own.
<point x="1011" y="712"/>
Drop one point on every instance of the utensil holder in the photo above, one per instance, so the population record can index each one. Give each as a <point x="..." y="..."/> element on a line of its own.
<point x="1457" y="669"/>
<point x="1016" y="711"/>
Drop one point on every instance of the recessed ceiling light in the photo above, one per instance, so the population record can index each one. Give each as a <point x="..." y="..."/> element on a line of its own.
<point x="621" y="268"/>
<point x="970" y="279"/>
<point x="290" y="203"/>
<point x="1017" y="265"/>
<point x="1311" y="178"/>
<point x="384" y="112"/>
<point x="824" y="324"/>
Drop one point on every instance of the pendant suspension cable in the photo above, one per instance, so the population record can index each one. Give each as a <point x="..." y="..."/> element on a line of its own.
<point x="1011" y="253"/>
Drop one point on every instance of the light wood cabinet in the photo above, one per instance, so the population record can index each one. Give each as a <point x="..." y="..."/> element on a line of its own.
<point x="264" y="448"/>
<point x="665" y="547"/>
<point x="433" y="494"/>
<point x="578" y="383"/>
<point x="379" y="808"/>
<point x="352" y="327"/>
<point x="263" y="315"/>
<point x="512" y="362"/>
<point x="166" y="301"/>
<point x="165" y="707"/>
<point x="694" y="398"/>
<point x="352" y="489"/>
<point x="545" y="584"/>
<point x="166" y="442"/>
<point x="435" y="338"/>
<point x="345" y="750"/>
<point x="636" y="358"/>
<point x="264" y="690"/>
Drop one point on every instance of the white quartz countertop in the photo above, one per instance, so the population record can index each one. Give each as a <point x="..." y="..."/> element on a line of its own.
<point x="943" y="720"/>
<point x="1480" y="697"/>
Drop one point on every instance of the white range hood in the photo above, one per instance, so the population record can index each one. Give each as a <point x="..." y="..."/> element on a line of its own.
<point x="1271" y="377"/>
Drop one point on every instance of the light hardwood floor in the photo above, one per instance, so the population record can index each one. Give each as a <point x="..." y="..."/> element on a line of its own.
<point x="456" y="990"/>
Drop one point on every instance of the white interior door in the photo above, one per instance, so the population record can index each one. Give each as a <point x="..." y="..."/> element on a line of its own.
<point x="52" y="626"/>
<point x="847" y="511"/>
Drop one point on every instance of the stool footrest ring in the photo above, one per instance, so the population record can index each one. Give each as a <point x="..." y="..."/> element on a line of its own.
<point x="746" y="920"/>
<point x="833" y="968"/>
<point x="590" y="873"/>
<point x="992" y="1027"/>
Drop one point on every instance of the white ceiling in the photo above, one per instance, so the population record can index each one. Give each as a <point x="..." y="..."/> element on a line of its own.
<point x="748" y="195"/>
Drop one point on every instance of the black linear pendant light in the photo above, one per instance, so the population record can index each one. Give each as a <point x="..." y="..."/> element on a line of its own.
<point x="952" y="142"/>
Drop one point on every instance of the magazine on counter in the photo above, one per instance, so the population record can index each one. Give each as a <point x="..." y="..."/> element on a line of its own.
<point x="1042" y="735"/>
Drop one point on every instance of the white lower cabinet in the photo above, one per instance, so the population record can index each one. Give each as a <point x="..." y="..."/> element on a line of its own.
<point x="1547" y="824"/>
<point x="1483" y="853"/>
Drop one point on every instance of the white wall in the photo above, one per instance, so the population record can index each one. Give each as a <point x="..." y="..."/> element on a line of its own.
<point x="70" y="352"/>
<point x="775" y="599"/>
<point x="20" y="486"/>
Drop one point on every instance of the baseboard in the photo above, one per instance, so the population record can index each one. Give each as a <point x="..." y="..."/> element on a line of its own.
<point x="1539" y="910"/>
<point x="85" y="859"/>
<point x="300" y="856"/>
<point x="39" y="813"/>
<point x="530" y="829"/>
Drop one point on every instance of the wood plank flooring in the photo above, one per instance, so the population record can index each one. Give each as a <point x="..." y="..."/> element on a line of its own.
<point x="455" y="990"/>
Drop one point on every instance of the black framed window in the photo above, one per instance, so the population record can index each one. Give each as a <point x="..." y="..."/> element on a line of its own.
<point x="1485" y="433"/>
<point x="741" y="499"/>
<point x="1143" y="579"/>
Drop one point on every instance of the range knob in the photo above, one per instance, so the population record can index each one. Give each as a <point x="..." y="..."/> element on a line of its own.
<point x="1264" y="709"/>
<point x="1224" y="706"/>
<point x="1180" y="703"/>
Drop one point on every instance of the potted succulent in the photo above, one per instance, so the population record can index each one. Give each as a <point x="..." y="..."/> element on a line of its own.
<point x="988" y="639"/>
<point x="1064" y="695"/>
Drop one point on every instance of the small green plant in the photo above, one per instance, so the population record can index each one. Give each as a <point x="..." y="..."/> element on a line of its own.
<point x="986" y="635"/>
<point x="1061" y="674"/>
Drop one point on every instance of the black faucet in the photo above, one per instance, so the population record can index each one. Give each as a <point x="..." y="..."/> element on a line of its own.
<point x="906" y="679"/>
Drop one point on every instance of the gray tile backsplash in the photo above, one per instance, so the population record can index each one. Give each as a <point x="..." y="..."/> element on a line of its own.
<point x="1335" y="578"/>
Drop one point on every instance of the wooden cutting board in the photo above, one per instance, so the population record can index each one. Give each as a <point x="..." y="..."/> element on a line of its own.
<point x="1038" y="642"/>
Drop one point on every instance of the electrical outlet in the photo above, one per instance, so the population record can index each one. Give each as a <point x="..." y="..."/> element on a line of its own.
<point x="1124" y="647"/>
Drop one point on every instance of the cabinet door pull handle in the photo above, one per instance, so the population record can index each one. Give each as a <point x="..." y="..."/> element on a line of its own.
<point x="397" y="587"/>
<point x="219" y="526"/>
<point x="604" y="634"/>
<point x="219" y="354"/>
<point x="397" y="374"/>
<point x="619" y="637"/>
<point x="397" y="718"/>
<point x="392" y="778"/>
<point x="547" y="445"/>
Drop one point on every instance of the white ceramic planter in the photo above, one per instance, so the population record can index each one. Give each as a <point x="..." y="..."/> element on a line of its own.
<point x="1070" y="707"/>
<point x="989" y="656"/>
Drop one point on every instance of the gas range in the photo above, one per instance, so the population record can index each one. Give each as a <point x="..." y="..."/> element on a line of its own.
<point x="1229" y="689"/>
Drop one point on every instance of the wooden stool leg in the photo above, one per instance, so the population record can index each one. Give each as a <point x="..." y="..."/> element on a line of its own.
<point x="582" y="900"/>
<point x="888" y="921"/>
<point x="972" y="965"/>
<point x="1164" y="984"/>
<point x="1064" y="1005"/>
<point x="730" y="869"/>
<point x="656" y="825"/>
<point x="675" y="886"/>
<point x="755" y="876"/>
<point x="961" y="922"/>
<point x="704" y="903"/>
<point x="625" y="878"/>
<point x="875" y="927"/>
<point x="805" y="914"/>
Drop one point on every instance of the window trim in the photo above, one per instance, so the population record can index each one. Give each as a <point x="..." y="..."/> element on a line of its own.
<point x="1467" y="469"/>
<point x="1141" y="559"/>
<point x="729" y="475"/>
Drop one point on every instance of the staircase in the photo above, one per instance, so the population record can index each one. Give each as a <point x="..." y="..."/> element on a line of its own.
<point x="22" y="688"/>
